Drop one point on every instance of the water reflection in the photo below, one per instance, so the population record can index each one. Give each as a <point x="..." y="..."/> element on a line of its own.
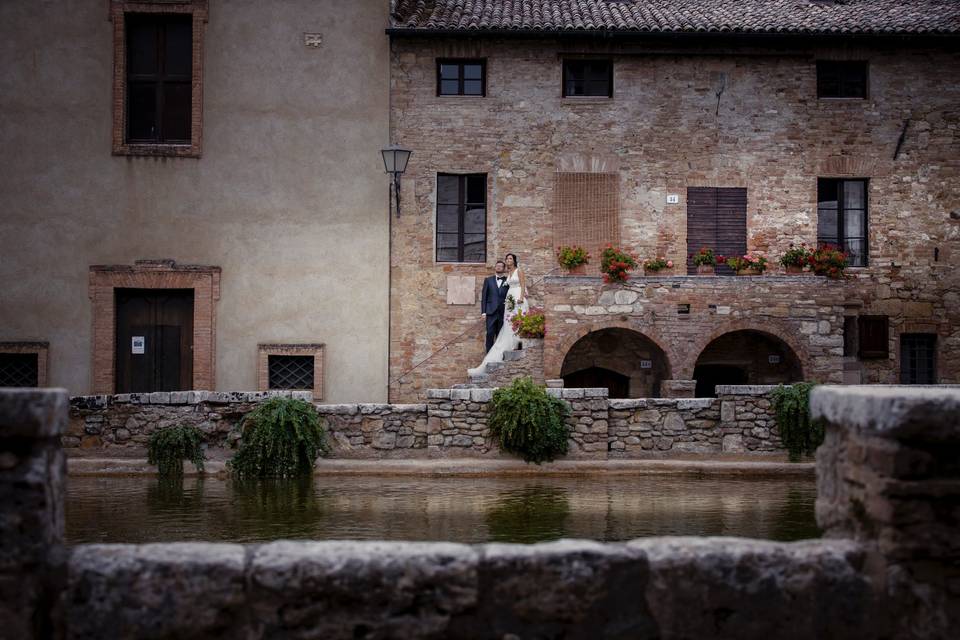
<point x="131" y="509"/>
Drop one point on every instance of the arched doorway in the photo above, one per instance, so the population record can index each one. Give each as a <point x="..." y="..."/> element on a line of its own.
<point x="626" y="362"/>
<point x="745" y="357"/>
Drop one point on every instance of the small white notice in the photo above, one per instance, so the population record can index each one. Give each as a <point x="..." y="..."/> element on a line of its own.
<point x="646" y="364"/>
<point x="673" y="198"/>
<point x="773" y="359"/>
<point x="138" y="345"/>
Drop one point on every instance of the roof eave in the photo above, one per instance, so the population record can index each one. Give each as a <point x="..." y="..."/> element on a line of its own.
<point x="408" y="32"/>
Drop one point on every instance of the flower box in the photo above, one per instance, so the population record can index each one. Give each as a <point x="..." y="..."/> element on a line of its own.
<point x="706" y="270"/>
<point x="749" y="271"/>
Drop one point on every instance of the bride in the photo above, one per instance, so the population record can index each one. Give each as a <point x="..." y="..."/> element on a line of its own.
<point x="507" y="339"/>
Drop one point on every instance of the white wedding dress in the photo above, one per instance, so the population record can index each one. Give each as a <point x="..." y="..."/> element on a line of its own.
<point x="507" y="340"/>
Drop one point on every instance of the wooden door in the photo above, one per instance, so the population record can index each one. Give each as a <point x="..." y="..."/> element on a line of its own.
<point x="716" y="218"/>
<point x="154" y="349"/>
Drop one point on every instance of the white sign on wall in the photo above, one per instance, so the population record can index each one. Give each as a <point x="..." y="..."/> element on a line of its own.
<point x="673" y="198"/>
<point x="646" y="364"/>
<point x="138" y="345"/>
<point x="773" y="359"/>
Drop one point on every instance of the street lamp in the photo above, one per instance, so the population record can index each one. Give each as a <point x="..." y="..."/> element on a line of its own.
<point x="395" y="160"/>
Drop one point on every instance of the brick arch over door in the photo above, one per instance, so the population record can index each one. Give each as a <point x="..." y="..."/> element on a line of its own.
<point x="771" y="328"/>
<point x="556" y="351"/>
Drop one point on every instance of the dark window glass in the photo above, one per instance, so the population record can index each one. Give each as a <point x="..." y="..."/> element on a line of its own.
<point x="290" y="372"/>
<point x="841" y="79"/>
<point x="461" y="218"/>
<point x="918" y="358"/>
<point x="842" y="216"/>
<point x="461" y="78"/>
<point x="19" y="370"/>
<point x="159" y="78"/>
<point x="850" y="336"/>
<point x="588" y="78"/>
<point x="873" y="336"/>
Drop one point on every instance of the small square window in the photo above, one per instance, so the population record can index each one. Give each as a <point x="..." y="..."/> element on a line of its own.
<point x="584" y="78"/>
<point x="291" y="372"/>
<point x="295" y="367"/>
<point x="841" y="79"/>
<point x="19" y="370"/>
<point x="873" y="332"/>
<point x="461" y="77"/>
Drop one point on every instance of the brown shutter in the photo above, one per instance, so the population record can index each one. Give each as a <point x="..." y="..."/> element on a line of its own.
<point x="586" y="212"/>
<point x="874" y="336"/>
<point x="716" y="218"/>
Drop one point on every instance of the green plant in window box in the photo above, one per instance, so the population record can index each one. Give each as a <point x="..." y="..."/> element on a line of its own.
<point x="795" y="258"/>
<point x="573" y="259"/>
<point x="170" y="446"/>
<point x="528" y="422"/>
<point x="281" y="438"/>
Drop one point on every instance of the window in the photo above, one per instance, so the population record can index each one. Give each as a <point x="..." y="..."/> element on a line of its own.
<point x="158" y="77"/>
<point x="462" y="217"/>
<point x="918" y="363"/>
<point x="717" y="219"/>
<point x="842" y="216"/>
<point x="586" y="212"/>
<point x="841" y="79"/>
<point x="290" y="372"/>
<point x="159" y="69"/>
<point x="291" y="366"/>
<point x="19" y="370"/>
<point x="461" y="78"/>
<point x="873" y="332"/>
<point x="587" y="78"/>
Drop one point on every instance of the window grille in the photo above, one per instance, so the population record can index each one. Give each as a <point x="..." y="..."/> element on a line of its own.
<point x="290" y="372"/>
<point x="19" y="370"/>
<point x="586" y="212"/>
<point x="918" y="363"/>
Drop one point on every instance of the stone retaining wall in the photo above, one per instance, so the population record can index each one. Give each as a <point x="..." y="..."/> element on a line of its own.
<point x="451" y="423"/>
<point x="887" y="482"/>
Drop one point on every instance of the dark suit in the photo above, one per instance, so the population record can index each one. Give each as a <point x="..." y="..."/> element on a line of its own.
<point x="491" y="303"/>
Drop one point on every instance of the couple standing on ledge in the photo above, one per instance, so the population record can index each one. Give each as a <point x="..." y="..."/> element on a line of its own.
<point x="504" y="295"/>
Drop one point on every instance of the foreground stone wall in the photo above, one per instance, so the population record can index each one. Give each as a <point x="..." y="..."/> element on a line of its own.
<point x="888" y="484"/>
<point x="451" y="423"/>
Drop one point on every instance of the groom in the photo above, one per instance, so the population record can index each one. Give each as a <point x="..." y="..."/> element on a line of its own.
<point x="492" y="300"/>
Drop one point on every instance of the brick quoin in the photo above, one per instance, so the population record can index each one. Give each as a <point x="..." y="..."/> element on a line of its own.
<point x="683" y="115"/>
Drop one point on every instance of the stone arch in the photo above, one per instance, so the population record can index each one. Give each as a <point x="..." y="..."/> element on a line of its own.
<point x="556" y="350"/>
<point x="773" y="328"/>
<point x="625" y="361"/>
<point x="745" y="356"/>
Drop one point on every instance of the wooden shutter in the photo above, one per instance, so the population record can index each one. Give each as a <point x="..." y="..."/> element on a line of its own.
<point x="586" y="212"/>
<point x="716" y="218"/>
<point x="874" y="336"/>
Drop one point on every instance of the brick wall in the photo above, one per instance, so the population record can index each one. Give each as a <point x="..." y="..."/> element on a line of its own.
<point x="665" y="130"/>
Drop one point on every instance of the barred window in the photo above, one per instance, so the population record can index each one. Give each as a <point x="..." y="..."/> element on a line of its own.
<point x="291" y="372"/>
<point x="19" y="370"/>
<point x="586" y="212"/>
<point x="918" y="358"/>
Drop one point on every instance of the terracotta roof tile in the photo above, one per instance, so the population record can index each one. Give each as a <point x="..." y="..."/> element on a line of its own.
<point x="683" y="16"/>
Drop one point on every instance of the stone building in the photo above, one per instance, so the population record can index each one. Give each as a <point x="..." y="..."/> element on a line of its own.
<point x="662" y="127"/>
<point x="193" y="195"/>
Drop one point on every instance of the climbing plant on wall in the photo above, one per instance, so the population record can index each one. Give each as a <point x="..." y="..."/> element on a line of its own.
<point x="800" y="435"/>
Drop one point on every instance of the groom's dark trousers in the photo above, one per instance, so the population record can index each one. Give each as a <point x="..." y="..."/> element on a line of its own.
<point x="491" y="303"/>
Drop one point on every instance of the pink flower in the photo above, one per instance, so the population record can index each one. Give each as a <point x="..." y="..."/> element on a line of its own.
<point x="669" y="264"/>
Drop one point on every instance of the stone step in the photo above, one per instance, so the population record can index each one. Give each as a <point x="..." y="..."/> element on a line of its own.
<point x="512" y="356"/>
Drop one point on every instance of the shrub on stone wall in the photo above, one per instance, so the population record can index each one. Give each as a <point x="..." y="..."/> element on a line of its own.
<point x="281" y="438"/>
<point x="169" y="447"/>
<point x="528" y="422"/>
<point x="800" y="434"/>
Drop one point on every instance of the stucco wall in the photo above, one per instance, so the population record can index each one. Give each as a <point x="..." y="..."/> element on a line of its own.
<point x="289" y="197"/>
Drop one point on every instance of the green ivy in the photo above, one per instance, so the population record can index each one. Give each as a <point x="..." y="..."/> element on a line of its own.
<point x="281" y="438"/>
<point x="800" y="435"/>
<point x="528" y="422"/>
<point x="169" y="447"/>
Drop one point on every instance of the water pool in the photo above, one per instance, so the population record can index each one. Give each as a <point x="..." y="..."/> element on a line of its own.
<point x="506" y="509"/>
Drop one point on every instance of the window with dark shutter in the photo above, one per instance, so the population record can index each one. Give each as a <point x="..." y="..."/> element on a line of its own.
<point x="159" y="78"/>
<point x="716" y="219"/>
<point x="19" y="369"/>
<point x="842" y="216"/>
<point x="874" y="336"/>
<point x="462" y="217"/>
<point x="461" y="77"/>
<point x="918" y="358"/>
<point x="582" y="78"/>
<point x="290" y="372"/>
<point x="841" y="79"/>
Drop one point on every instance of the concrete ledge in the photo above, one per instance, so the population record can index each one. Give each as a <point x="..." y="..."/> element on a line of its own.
<point x="894" y="412"/>
<point x="184" y="397"/>
<point x="474" y="467"/>
<point x="745" y="389"/>
<point x="32" y="413"/>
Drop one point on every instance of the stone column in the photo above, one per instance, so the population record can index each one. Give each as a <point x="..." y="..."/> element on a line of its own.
<point x="32" y="474"/>
<point x="888" y="476"/>
<point x="678" y="388"/>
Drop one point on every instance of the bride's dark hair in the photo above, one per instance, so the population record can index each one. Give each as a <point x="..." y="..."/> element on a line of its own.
<point x="516" y="262"/>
